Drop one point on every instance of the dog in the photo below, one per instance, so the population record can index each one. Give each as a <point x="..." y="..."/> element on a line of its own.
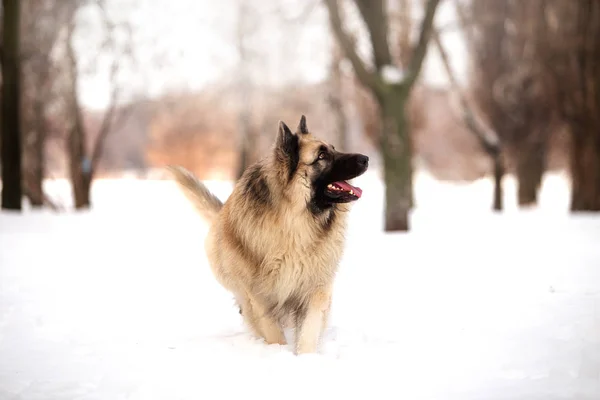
<point x="276" y="242"/>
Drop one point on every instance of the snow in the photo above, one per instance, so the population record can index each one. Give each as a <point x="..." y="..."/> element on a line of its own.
<point x="391" y="74"/>
<point x="118" y="303"/>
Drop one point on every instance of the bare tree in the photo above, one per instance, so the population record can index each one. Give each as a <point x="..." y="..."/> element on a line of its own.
<point x="41" y="24"/>
<point x="11" y="109"/>
<point x="571" y="55"/>
<point x="247" y="24"/>
<point x="255" y="23"/>
<point x="391" y="88"/>
<point x="485" y="38"/>
<point x="336" y="98"/>
<point x="509" y="84"/>
<point x="526" y="99"/>
<point x="485" y="135"/>
<point x="83" y="158"/>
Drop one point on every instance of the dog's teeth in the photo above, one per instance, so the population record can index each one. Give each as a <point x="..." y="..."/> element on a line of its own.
<point x="351" y="192"/>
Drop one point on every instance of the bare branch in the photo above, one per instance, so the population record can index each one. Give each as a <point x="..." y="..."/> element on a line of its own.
<point x="486" y="136"/>
<point x="464" y="21"/>
<point x="420" y="50"/>
<point x="406" y="25"/>
<point x="113" y="115"/>
<point x="367" y="78"/>
<point x="78" y="125"/>
<point x="105" y="128"/>
<point x="375" y="17"/>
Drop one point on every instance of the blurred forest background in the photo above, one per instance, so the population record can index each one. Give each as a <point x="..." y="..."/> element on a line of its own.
<point x="463" y="88"/>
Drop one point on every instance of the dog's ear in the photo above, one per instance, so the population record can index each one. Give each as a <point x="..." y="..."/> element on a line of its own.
<point x="287" y="148"/>
<point x="302" y="128"/>
<point x="285" y="138"/>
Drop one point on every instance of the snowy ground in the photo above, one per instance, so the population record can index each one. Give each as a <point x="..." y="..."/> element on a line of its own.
<point x="117" y="304"/>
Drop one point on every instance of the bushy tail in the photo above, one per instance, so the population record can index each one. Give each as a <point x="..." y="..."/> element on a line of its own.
<point x="207" y="204"/>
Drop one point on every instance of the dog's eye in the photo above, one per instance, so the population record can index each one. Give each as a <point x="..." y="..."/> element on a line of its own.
<point x="322" y="155"/>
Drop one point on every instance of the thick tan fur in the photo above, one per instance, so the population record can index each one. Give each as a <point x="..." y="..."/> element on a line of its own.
<point x="269" y="250"/>
<point x="207" y="204"/>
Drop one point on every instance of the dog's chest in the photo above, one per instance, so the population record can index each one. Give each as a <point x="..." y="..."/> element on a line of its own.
<point x="303" y="256"/>
<point x="303" y="267"/>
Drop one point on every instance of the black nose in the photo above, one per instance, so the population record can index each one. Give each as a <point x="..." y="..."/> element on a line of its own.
<point x="363" y="161"/>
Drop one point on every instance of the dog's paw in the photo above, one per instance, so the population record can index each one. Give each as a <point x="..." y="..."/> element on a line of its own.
<point x="281" y="342"/>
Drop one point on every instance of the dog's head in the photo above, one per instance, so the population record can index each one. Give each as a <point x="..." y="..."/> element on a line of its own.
<point x="316" y="170"/>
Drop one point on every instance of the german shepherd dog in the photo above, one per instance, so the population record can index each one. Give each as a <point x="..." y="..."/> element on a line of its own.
<point x="277" y="241"/>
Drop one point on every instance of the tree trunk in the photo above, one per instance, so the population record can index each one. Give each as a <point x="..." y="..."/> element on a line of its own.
<point x="81" y="194"/>
<point x="243" y="158"/>
<point x="531" y="164"/>
<point x="81" y="178"/>
<point x="80" y="168"/>
<point x="341" y="126"/>
<point x="498" y="175"/>
<point x="585" y="172"/>
<point x="245" y="139"/>
<point x="336" y="102"/>
<point x="38" y="156"/>
<point x="37" y="174"/>
<point x="12" y="190"/>
<point x="397" y="157"/>
<point x="80" y="185"/>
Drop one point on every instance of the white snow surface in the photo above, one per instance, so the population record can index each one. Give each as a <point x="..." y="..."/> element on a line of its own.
<point x="392" y="74"/>
<point x="118" y="303"/>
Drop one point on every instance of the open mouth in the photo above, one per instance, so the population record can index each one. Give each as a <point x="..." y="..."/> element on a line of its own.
<point x="335" y="188"/>
<point x="342" y="190"/>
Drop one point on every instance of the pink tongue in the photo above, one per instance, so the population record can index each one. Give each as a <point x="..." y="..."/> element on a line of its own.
<point x="348" y="187"/>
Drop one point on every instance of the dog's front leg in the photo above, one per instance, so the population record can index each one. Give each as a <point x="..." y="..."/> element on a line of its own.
<point x="310" y="325"/>
<point x="261" y="323"/>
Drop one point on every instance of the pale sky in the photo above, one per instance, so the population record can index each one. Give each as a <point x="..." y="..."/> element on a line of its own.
<point x="185" y="44"/>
